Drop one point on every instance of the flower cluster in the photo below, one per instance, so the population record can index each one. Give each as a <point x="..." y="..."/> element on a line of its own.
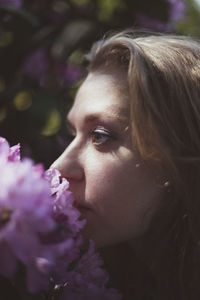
<point x="40" y="232"/>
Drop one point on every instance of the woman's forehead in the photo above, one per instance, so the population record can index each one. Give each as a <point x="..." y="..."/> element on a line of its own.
<point x="99" y="98"/>
<point x="101" y="92"/>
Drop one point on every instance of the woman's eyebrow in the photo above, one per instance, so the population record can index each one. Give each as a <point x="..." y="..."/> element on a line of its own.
<point x="98" y="116"/>
<point x="93" y="118"/>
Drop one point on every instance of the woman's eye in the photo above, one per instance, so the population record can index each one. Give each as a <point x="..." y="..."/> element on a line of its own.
<point x="100" y="136"/>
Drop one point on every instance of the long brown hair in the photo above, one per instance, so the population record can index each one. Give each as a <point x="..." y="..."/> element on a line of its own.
<point x="163" y="76"/>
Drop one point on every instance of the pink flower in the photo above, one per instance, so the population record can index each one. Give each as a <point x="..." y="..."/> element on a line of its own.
<point x="37" y="229"/>
<point x="88" y="279"/>
<point x="40" y="230"/>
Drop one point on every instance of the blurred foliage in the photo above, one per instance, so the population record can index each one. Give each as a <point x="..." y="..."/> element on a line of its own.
<point x="42" y="47"/>
<point x="191" y="23"/>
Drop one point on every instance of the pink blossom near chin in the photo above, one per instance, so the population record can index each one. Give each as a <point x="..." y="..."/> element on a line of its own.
<point x="25" y="213"/>
<point x="88" y="279"/>
<point x="53" y="176"/>
<point x="34" y="230"/>
<point x="40" y="230"/>
<point x="64" y="210"/>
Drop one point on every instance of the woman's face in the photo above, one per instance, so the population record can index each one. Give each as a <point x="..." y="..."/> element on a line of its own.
<point x="114" y="190"/>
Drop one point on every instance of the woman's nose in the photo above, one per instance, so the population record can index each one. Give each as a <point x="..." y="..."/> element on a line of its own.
<point x="68" y="164"/>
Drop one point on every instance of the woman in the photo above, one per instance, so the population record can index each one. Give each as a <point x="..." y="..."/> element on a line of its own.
<point x="134" y="162"/>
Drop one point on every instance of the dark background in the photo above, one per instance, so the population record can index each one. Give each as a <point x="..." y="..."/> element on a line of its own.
<point x="42" y="48"/>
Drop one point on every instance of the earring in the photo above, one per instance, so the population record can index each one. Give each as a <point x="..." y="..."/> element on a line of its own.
<point x="167" y="185"/>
